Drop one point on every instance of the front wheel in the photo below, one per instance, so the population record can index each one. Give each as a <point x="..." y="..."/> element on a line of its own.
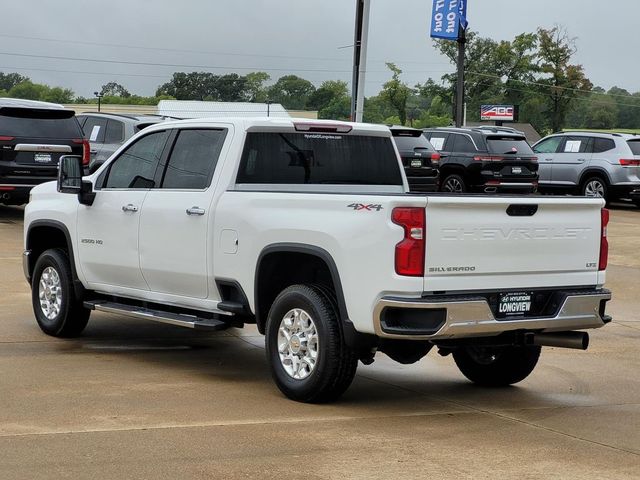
<point x="58" y="312"/>
<point x="453" y="184"/>
<point x="307" y="355"/>
<point x="496" y="366"/>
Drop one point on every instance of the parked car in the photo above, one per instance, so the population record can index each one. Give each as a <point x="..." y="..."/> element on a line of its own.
<point x="484" y="160"/>
<point x="106" y="132"/>
<point x="306" y="229"/>
<point x="33" y="137"/>
<point x="592" y="164"/>
<point x="419" y="158"/>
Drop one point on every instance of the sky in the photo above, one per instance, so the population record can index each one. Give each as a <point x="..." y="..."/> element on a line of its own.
<point x="309" y="38"/>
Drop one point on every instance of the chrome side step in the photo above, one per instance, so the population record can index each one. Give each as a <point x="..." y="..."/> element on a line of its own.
<point x="179" y="319"/>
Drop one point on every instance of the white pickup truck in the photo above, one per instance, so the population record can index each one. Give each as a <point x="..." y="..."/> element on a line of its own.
<point x="306" y="229"/>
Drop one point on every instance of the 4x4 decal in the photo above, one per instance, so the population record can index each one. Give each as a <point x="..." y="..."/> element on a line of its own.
<point x="369" y="208"/>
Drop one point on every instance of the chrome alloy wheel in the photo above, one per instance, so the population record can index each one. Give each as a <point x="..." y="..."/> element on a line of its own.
<point x="298" y="344"/>
<point x="594" y="188"/>
<point x="452" y="185"/>
<point x="50" y="293"/>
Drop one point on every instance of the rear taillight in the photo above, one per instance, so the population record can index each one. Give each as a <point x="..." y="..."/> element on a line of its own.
<point x="488" y="159"/>
<point x="86" y="150"/>
<point x="410" y="251"/>
<point x="435" y="157"/>
<point x="626" y="162"/>
<point x="6" y="139"/>
<point x="604" y="243"/>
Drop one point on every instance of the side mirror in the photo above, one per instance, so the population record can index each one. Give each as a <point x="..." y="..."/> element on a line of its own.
<point x="70" y="174"/>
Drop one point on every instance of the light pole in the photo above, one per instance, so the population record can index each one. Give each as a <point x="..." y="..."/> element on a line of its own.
<point x="359" y="59"/>
<point x="99" y="95"/>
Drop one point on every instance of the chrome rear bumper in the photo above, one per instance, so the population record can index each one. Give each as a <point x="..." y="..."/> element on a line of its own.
<point x="468" y="317"/>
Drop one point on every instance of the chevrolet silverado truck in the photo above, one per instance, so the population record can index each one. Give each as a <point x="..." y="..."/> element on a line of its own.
<point x="306" y="229"/>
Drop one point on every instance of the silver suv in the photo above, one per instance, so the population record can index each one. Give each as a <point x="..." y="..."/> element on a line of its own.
<point x="107" y="132"/>
<point x="591" y="164"/>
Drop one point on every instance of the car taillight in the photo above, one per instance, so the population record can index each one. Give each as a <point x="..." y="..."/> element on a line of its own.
<point x="86" y="150"/>
<point x="488" y="159"/>
<point x="6" y="139"/>
<point x="625" y="162"/>
<point x="435" y="157"/>
<point x="604" y="243"/>
<point x="410" y="252"/>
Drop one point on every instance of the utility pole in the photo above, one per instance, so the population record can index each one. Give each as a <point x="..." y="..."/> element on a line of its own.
<point x="462" y="41"/>
<point x="359" y="59"/>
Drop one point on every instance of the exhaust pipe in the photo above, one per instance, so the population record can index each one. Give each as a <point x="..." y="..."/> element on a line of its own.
<point x="490" y="189"/>
<point x="6" y="196"/>
<point x="575" y="340"/>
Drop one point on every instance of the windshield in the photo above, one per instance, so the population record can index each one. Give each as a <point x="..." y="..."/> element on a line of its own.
<point x="318" y="158"/>
<point x="411" y="143"/>
<point x="509" y="145"/>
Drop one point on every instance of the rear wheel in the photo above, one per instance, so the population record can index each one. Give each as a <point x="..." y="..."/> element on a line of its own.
<point x="496" y="366"/>
<point x="308" y="357"/>
<point x="58" y="312"/>
<point x="453" y="184"/>
<point x="595" y="187"/>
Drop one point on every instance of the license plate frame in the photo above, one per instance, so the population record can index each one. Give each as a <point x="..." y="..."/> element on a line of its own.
<point x="516" y="170"/>
<point x="514" y="304"/>
<point x="416" y="163"/>
<point x="42" y="157"/>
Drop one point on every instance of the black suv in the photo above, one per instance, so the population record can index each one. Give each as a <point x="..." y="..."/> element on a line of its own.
<point x="419" y="158"/>
<point x="33" y="137"/>
<point x="484" y="160"/>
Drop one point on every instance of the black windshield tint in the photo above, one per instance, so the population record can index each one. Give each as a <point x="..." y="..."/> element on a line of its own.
<point x="409" y="144"/>
<point x="23" y="122"/>
<point x="509" y="145"/>
<point x="313" y="158"/>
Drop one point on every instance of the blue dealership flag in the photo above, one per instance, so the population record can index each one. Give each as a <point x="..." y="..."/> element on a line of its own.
<point x="447" y="18"/>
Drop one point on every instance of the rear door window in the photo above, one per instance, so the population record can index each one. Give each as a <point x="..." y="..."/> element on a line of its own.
<point x="438" y="140"/>
<point x="114" y="132"/>
<point x="318" y="158"/>
<point x="576" y="144"/>
<point x="193" y="159"/>
<point x="463" y="144"/>
<point x="503" y="145"/>
<point x="39" y="123"/>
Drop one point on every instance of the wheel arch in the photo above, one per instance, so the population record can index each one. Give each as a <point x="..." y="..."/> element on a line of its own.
<point x="46" y="234"/>
<point x="318" y="266"/>
<point x="594" y="172"/>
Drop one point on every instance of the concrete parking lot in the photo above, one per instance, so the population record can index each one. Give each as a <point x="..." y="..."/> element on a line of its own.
<point x="131" y="399"/>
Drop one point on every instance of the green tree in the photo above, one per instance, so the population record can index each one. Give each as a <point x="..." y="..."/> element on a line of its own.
<point x="561" y="82"/>
<point x="396" y="93"/>
<point x="255" y="90"/>
<point x="10" y="80"/>
<point x="114" y="89"/>
<point x="189" y="86"/>
<point x="326" y="93"/>
<point x="292" y="92"/>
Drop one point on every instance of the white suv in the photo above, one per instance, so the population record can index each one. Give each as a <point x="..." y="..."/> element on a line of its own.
<point x="592" y="164"/>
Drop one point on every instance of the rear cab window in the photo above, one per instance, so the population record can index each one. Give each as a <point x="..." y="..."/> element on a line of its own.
<point x="504" y="145"/>
<point x="309" y="158"/>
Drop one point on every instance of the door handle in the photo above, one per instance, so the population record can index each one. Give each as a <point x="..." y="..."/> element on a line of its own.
<point x="580" y="160"/>
<point x="548" y="159"/>
<point x="93" y="152"/>
<point x="195" y="211"/>
<point x="129" y="208"/>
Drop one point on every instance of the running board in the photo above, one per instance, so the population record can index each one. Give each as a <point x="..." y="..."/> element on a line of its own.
<point x="179" y="319"/>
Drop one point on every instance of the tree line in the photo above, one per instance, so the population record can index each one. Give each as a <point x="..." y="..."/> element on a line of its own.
<point x="533" y="70"/>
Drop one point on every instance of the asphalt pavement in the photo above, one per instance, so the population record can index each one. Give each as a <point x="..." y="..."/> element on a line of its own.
<point x="133" y="399"/>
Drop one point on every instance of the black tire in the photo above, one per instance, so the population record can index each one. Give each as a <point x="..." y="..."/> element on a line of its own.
<point x="453" y="183"/>
<point x="496" y="367"/>
<point x="69" y="318"/>
<point x="335" y="364"/>
<point x="587" y="187"/>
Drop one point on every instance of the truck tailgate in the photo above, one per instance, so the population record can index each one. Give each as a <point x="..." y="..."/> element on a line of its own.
<point x="498" y="243"/>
